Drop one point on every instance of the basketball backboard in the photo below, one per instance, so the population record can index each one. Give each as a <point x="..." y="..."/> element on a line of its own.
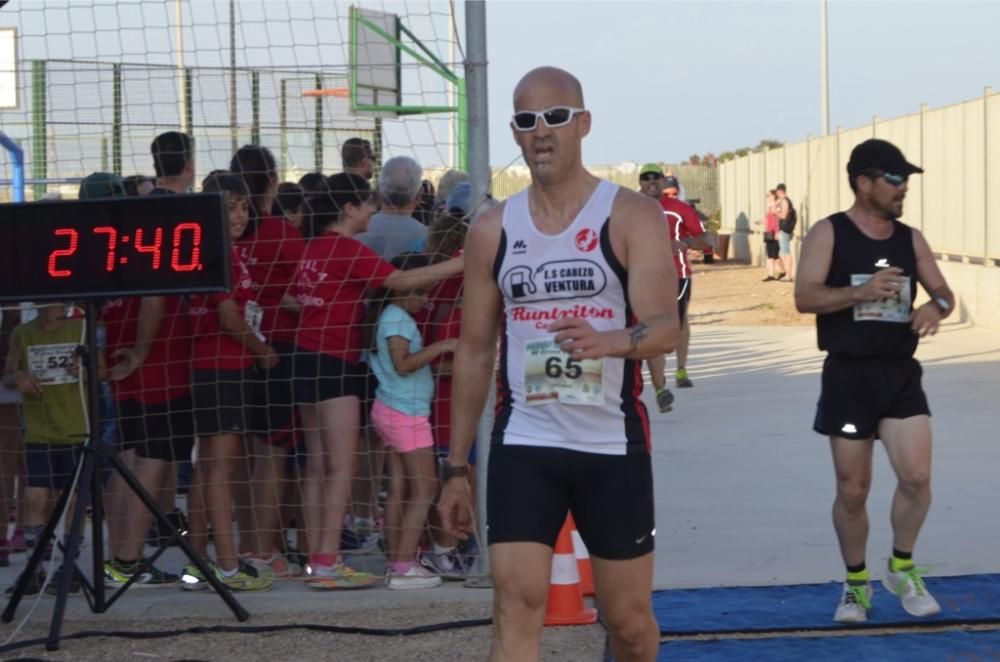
<point x="375" y="63"/>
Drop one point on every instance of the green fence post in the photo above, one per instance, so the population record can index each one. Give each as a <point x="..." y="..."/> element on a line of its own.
<point x="318" y="146"/>
<point x="255" y="106"/>
<point x="39" y="128"/>
<point x="116" y="121"/>
<point x="463" y="126"/>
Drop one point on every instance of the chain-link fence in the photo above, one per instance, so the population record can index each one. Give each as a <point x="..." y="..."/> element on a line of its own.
<point x="79" y="117"/>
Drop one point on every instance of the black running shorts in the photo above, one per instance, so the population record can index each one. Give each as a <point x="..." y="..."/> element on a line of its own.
<point x="683" y="297"/>
<point x="530" y="490"/>
<point x="858" y="393"/>
<point x="164" y="431"/>
<point x="220" y="401"/>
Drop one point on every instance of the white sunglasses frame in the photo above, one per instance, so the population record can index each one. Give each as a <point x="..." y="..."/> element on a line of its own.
<point x="540" y="114"/>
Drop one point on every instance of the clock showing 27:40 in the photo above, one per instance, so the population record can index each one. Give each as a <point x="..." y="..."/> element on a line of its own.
<point x="114" y="247"/>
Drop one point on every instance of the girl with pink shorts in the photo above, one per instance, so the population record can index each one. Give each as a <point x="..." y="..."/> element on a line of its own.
<point x="401" y="415"/>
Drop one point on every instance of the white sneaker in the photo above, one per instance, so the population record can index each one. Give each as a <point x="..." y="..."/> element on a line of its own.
<point x="854" y="603"/>
<point x="415" y="577"/>
<point x="908" y="586"/>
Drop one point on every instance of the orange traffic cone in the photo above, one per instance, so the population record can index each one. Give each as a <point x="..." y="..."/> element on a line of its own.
<point x="582" y="560"/>
<point x="565" y="605"/>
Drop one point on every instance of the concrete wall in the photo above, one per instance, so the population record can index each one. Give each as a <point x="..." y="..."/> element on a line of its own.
<point x="955" y="203"/>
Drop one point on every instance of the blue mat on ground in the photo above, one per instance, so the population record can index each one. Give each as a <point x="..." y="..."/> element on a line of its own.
<point x="936" y="647"/>
<point x="963" y="598"/>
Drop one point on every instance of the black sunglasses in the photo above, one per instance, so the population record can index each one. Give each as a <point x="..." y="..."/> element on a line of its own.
<point x="894" y="180"/>
<point x="646" y="176"/>
<point x="527" y="120"/>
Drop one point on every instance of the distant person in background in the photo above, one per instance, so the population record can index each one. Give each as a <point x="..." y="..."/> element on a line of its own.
<point x="448" y="181"/>
<point x="393" y="230"/>
<point x="290" y="203"/>
<point x="313" y="182"/>
<point x="138" y="185"/>
<point x="358" y="158"/>
<point x="686" y="231"/>
<point x="859" y="274"/>
<point x="101" y="185"/>
<point x="173" y="160"/>
<point x="425" y="206"/>
<point x="771" y="239"/>
<point x="787" y="217"/>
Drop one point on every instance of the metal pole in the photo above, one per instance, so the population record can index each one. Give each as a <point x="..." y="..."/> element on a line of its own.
<point x="17" y="159"/>
<point x="234" y="138"/>
<point x="478" y="158"/>
<point x="476" y="95"/>
<point x="181" y="86"/>
<point x="824" y="71"/>
<point x="255" y="107"/>
<point x="283" y="129"/>
<point x="987" y="92"/>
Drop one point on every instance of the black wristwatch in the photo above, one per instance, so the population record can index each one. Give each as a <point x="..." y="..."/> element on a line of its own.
<point x="448" y="472"/>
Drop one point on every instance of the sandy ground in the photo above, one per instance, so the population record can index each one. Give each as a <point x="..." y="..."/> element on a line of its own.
<point x="733" y="294"/>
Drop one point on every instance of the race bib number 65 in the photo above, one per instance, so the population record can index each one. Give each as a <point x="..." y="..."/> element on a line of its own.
<point x="551" y="375"/>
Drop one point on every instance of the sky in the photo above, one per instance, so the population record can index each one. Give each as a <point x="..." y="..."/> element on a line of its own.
<point x="663" y="79"/>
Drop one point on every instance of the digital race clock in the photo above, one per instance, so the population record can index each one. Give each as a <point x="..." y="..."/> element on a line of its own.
<point x="164" y="244"/>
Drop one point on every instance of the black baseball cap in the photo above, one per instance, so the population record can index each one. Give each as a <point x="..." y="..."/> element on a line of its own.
<point x="671" y="182"/>
<point x="875" y="154"/>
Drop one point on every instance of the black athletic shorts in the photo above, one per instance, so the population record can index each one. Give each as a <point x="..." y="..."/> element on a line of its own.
<point x="858" y="393"/>
<point x="320" y="377"/>
<point x="683" y="297"/>
<point x="530" y="490"/>
<point x="51" y="465"/>
<point x="220" y="400"/>
<point x="772" y="249"/>
<point x="273" y="416"/>
<point x="164" y="431"/>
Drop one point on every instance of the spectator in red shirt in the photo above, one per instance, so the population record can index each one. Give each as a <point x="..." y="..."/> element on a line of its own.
<point x="686" y="232"/>
<point x="335" y="273"/>
<point x="227" y="344"/>
<point x="271" y="248"/>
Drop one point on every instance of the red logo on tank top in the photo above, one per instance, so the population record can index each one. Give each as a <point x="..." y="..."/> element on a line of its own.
<point x="586" y="240"/>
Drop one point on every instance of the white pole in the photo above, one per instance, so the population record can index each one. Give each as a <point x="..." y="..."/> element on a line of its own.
<point x="181" y="87"/>
<point x="824" y="71"/>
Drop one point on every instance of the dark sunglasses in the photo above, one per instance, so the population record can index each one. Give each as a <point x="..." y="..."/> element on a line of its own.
<point x="645" y="177"/>
<point x="894" y="180"/>
<point x="527" y="120"/>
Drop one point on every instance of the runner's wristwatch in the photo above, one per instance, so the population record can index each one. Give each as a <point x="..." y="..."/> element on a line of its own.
<point x="942" y="305"/>
<point x="448" y="472"/>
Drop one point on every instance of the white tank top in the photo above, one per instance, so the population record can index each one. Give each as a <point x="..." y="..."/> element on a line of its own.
<point x="545" y="398"/>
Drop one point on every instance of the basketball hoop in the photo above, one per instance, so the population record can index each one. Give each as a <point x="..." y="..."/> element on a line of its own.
<point x="341" y="92"/>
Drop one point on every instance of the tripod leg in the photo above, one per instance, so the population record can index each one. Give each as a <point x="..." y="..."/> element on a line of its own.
<point x="182" y="541"/>
<point x="36" y="556"/>
<point x="72" y="548"/>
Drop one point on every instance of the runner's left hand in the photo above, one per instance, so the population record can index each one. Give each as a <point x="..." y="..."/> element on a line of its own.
<point x="925" y="320"/>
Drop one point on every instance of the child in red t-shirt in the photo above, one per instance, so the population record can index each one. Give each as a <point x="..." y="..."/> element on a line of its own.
<point x="227" y="343"/>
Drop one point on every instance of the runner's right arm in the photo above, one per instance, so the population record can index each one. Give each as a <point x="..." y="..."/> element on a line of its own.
<point x="473" y="364"/>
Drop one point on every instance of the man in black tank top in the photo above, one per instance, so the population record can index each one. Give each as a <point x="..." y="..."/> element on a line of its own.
<point x="858" y="273"/>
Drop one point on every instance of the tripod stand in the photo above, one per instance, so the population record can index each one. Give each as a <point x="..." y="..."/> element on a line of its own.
<point x="88" y="489"/>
